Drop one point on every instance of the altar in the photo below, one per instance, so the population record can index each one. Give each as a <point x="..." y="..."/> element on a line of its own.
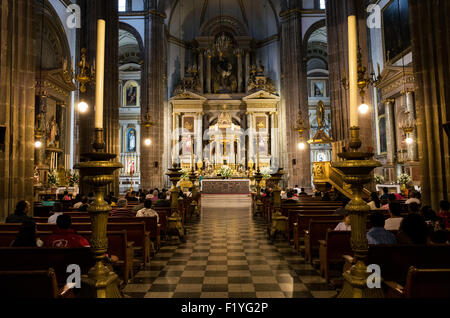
<point x="226" y="186"/>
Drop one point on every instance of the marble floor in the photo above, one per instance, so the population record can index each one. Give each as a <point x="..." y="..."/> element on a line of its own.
<point x="227" y="254"/>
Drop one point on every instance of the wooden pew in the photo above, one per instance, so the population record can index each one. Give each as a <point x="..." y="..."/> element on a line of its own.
<point x="332" y="249"/>
<point x="302" y="224"/>
<point x="7" y="237"/>
<point x="317" y="230"/>
<point x="422" y="283"/>
<point x="33" y="284"/>
<point x="119" y="246"/>
<point x="43" y="258"/>
<point x="293" y="216"/>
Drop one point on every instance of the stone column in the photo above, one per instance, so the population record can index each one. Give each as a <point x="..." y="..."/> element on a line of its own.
<point x="199" y="148"/>
<point x="390" y="131"/>
<point x="410" y="106"/>
<point x="154" y="85"/>
<point x="295" y="97"/>
<point x="274" y="138"/>
<point x="239" y="70"/>
<point x="247" y="70"/>
<point x="200" y="70"/>
<point x="208" y="74"/>
<point x="251" y="142"/>
<point x="431" y="56"/>
<point x="17" y="102"/>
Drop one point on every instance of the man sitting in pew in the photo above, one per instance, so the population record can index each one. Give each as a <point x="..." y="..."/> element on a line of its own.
<point x="147" y="211"/>
<point x="121" y="211"/>
<point x="84" y="205"/>
<point x="378" y="234"/>
<point x="57" y="211"/>
<point x="413" y="230"/>
<point x="395" y="213"/>
<point x="64" y="236"/>
<point x="290" y="197"/>
<point x="344" y="225"/>
<point x="20" y="214"/>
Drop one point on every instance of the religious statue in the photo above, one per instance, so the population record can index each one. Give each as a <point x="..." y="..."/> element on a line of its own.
<point x="224" y="81"/>
<point x="320" y="112"/>
<point x="52" y="133"/>
<point x="132" y="140"/>
<point x="225" y="120"/>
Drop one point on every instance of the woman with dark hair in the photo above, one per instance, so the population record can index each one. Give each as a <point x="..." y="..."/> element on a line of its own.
<point x="413" y="230"/>
<point x="27" y="236"/>
<point x="375" y="204"/>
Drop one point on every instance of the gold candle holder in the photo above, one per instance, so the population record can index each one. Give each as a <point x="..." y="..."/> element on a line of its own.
<point x="194" y="204"/>
<point x="174" y="223"/>
<point x="100" y="282"/>
<point x="279" y="222"/>
<point x="258" y="177"/>
<point x="357" y="167"/>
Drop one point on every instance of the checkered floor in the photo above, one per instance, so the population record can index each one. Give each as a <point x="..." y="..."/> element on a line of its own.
<point x="228" y="255"/>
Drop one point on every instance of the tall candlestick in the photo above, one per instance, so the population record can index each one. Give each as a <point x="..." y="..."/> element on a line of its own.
<point x="100" y="74"/>
<point x="353" y="69"/>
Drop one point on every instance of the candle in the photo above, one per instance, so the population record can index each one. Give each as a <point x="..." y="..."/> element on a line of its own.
<point x="353" y="69"/>
<point x="100" y="74"/>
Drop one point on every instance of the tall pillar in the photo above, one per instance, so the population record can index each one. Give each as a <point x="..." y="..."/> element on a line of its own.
<point x="390" y="131"/>
<point x="251" y="141"/>
<point x="295" y="97"/>
<point x="154" y="84"/>
<point x="17" y="103"/>
<point x="201" y="71"/>
<point x="239" y="70"/>
<point x="247" y="70"/>
<point x="410" y="106"/>
<point x="431" y="56"/>
<point x="208" y="74"/>
<point x="274" y="139"/>
<point x="199" y="147"/>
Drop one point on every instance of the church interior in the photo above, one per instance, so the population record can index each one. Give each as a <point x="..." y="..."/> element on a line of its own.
<point x="224" y="149"/>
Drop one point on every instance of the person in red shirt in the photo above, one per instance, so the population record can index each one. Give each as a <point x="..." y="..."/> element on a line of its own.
<point x="64" y="236"/>
<point x="444" y="213"/>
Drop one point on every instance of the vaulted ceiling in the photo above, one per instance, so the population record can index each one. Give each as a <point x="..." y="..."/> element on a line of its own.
<point x="186" y="17"/>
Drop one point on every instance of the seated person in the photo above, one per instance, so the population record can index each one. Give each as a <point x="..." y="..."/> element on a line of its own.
<point x="27" y="236"/>
<point x="78" y="202"/>
<point x="413" y="207"/>
<point x="393" y="223"/>
<point x="66" y="196"/>
<point x="57" y="211"/>
<point x="444" y="213"/>
<point x="20" y="214"/>
<point x="162" y="200"/>
<point x="317" y="196"/>
<point x="413" y="230"/>
<point x="64" y="236"/>
<point x="291" y="198"/>
<point x="413" y="198"/>
<point x="345" y="224"/>
<point x="375" y="204"/>
<point x="84" y="205"/>
<point x="302" y="192"/>
<point x="121" y="210"/>
<point x="378" y="234"/>
<point x="147" y="211"/>
<point x="391" y="198"/>
<point x="385" y="194"/>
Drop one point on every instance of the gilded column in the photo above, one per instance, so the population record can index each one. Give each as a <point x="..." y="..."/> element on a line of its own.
<point x="208" y="74"/>
<point x="410" y="106"/>
<point x="390" y="131"/>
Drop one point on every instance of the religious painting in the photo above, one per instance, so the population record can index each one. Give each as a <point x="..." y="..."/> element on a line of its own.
<point x="131" y="94"/>
<point x="55" y="121"/>
<point x="318" y="88"/>
<point x="382" y="139"/>
<point x="188" y="124"/>
<point x="381" y="109"/>
<point x="397" y="34"/>
<point x="187" y="145"/>
<point x="131" y="140"/>
<point x="261" y="123"/>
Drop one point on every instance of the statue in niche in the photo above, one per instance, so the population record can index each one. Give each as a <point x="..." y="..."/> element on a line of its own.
<point x="52" y="133"/>
<point x="320" y="112"/>
<point x="131" y="140"/>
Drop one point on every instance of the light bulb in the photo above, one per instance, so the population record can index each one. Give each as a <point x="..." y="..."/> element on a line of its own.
<point x="363" y="109"/>
<point x="301" y="145"/>
<point x="148" y="142"/>
<point x="37" y="144"/>
<point x="83" y="107"/>
<point x="409" y="140"/>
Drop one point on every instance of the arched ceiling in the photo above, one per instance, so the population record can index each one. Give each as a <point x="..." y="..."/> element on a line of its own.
<point x="186" y="17"/>
<point x="129" y="51"/>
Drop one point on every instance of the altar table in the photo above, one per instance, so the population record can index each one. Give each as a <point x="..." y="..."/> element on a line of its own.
<point x="226" y="186"/>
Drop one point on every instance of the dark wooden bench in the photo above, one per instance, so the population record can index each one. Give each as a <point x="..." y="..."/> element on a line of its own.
<point x="422" y="283"/>
<point x="8" y="237"/>
<point x="316" y="231"/>
<point x="32" y="284"/>
<point x="43" y="258"/>
<point x="332" y="250"/>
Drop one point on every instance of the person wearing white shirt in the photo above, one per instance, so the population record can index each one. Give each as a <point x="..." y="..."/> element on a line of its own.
<point x="413" y="198"/>
<point x="57" y="211"/>
<point x="345" y="225"/>
<point x="147" y="211"/>
<point x="393" y="223"/>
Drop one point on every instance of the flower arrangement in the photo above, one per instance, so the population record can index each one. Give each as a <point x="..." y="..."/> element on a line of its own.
<point x="73" y="178"/>
<point x="378" y="179"/>
<point x="52" y="179"/>
<point x="185" y="175"/>
<point x="404" y="178"/>
<point x="266" y="173"/>
<point x="225" y="172"/>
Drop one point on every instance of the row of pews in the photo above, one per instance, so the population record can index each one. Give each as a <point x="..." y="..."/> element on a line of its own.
<point x="41" y="272"/>
<point x="406" y="270"/>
